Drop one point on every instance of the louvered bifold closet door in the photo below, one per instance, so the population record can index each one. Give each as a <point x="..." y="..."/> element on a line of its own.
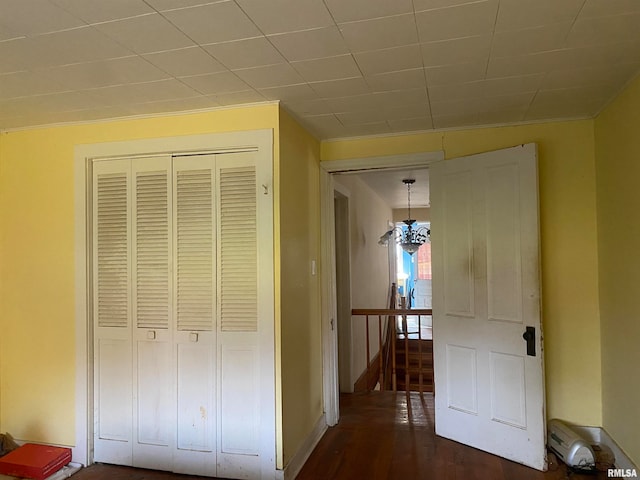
<point x="194" y="306"/>
<point x="154" y="353"/>
<point x="238" y="315"/>
<point x="112" y="319"/>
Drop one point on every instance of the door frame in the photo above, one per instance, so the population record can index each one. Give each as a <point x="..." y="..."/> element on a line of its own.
<point x="259" y="141"/>
<point x="343" y="250"/>
<point x="329" y="304"/>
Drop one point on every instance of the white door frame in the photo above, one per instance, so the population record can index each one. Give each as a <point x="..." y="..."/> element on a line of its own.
<point x="329" y="307"/>
<point x="260" y="141"/>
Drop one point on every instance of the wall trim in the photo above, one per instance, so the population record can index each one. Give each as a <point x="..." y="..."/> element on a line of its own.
<point x="598" y="435"/>
<point x="421" y="159"/>
<point x="294" y="466"/>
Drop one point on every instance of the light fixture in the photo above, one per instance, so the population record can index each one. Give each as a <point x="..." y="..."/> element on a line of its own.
<point x="409" y="238"/>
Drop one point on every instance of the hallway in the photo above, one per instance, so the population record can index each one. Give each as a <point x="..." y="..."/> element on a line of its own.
<point x="386" y="435"/>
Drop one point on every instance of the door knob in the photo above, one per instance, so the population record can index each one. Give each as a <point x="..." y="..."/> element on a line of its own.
<point x="530" y="336"/>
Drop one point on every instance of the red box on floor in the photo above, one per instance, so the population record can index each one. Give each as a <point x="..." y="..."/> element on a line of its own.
<point x="34" y="461"/>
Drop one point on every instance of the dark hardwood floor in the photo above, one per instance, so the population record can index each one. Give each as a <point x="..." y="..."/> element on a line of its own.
<point x="381" y="435"/>
<point x="386" y="435"/>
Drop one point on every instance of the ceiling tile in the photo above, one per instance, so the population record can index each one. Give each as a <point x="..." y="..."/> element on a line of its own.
<point x="530" y="40"/>
<point x="34" y="17"/>
<point x="238" y="98"/>
<point x="597" y="8"/>
<point x="453" y="121"/>
<point x="55" y="102"/>
<point x="603" y="30"/>
<point x="518" y="14"/>
<point x="252" y="52"/>
<point x="216" y="83"/>
<point x="278" y="16"/>
<point x="16" y="55"/>
<point x="180" y="105"/>
<point x="382" y="114"/>
<point x="71" y="46"/>
<point x="212" y="23"/>
<point x="22" y="84"/>
<point x="411" y="124"/>
<point x="145" y="34"/>
<point x="310" y="44"/>
<point x="170" y="89"/>
<point x="367" y="9"/>
<point x="378" y="128"/>
<point x="565" y="103"/>
<point x="311" y="107"/>
<point x="501" y="117"/>
<point x="270" y="76"/>
<point x="291" y="92"/>
<point x="380" y="33"/>
<point x="456" y="22"/>
<point x="326" y="125"/>
<point x="512" y="85"/>
<point x="457" y="73"/>
<point x="402" y="98"/>
<point x="458" y="50"/>
<point x="453" y="107"/>
<point x="351" y="103"/>
<point x="611" y="75"/>
<point x="164" y="5"/>
<point x="389" y="60"/>
<point x="341" y="88"/>
<point x="456" y="91"/>
<point x="93" y="11"/>
<point x="526" y="64"/>
<point x="397" y="80"/>
<point x="331" y="68"/>
<point x="421" y="5"/>
<point x="185" y="62"/>
<point x="104" y="73"/>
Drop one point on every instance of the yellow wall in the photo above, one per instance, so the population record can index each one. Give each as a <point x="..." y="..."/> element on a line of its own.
<point x="618" y="173"/>
<point x="37" y="324"/>
<point x="301" y="341"/>
<point x="568" y="243"/>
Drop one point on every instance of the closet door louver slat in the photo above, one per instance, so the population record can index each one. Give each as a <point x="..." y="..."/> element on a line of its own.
<point x="194" y="225"/>
<point x="238" y="249"/>
<point x="111" y="224"/>
<point x="152" y="250"/>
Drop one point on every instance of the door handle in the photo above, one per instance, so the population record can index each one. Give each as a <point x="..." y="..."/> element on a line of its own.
<point x="530" y="336"/>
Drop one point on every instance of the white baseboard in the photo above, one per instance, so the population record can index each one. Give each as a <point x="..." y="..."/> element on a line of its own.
<point x="598" y="435"/>
<point x="292" y="469"/>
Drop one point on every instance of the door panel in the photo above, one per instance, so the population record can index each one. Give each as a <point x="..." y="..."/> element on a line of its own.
<point x="490" y="393"/>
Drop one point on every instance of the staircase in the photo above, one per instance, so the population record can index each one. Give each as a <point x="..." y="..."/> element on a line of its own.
<point x="412" y="359"/>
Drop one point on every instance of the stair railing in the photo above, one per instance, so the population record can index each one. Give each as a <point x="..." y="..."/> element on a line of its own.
<point x="391" y="316"/>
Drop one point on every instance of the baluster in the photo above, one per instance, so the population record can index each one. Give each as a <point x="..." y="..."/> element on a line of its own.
<point x="420" y="354"/>
<point x="380" y="354"/>
<point x="368" y="354"/>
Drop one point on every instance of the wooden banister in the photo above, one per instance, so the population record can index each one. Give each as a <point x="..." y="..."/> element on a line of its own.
<point x="388" y="348"/>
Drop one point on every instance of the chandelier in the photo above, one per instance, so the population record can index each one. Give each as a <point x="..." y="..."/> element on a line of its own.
<point x="410" y="238"/>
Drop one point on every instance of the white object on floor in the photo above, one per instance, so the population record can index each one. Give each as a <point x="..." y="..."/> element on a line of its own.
<point x="61" y="474"/>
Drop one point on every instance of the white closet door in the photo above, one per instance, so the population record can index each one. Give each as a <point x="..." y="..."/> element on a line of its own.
<point x="238" y="317"/>
<point x="111" y="288"/>
<point x="154" y="353"/>
<point x="195" y="334"/>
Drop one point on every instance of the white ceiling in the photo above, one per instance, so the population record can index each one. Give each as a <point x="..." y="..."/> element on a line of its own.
<point x="342" y="67"/>
<point x="388" y="185"/>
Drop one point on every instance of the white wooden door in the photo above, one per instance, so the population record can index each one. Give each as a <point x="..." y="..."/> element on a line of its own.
<point x="153" y="351"/>
<point x="489" y="381"/>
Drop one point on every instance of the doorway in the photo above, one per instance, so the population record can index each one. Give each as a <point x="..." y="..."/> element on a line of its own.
<point x="343" y="289"/>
